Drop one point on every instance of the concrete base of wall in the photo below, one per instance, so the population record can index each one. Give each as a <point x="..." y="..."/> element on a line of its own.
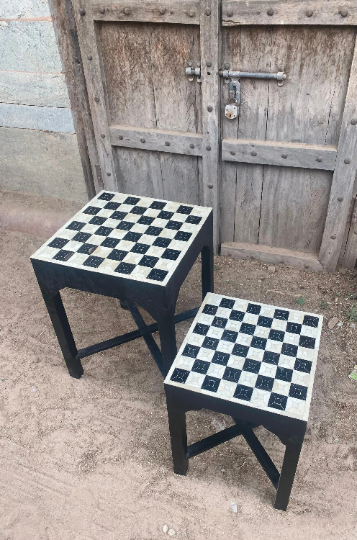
<point x="34" y="214"/>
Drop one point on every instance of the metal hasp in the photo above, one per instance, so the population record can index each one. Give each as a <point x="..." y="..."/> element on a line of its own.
<point x="232" y="108"/>
<point x="191" y="72"/>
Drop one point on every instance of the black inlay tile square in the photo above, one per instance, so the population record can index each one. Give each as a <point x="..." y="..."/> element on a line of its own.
<point x="118" y="215"/>
<point x="240" y="350"/>
<point x="307" y="342"/>
<point x="266" y="322"/>
<point x="59" y="243"/>
<point x="254" y="309"/>
<point x="110" y="243"/>
<point x="148" y="261"/>
<point x="165" y="215"/>
<point x="171" y="254"/>
<point x="311" y="321"/>
<point x="179" y="375"/>
<point x="277" y="401"/>
<point x="247" y="329"/>
<point x="231" y="374"/>
<point x="106" y="196"/>
<point x="243" y="392"/>
<point x="258" y="343"/>
<point x="271" y="358"/>
<point x="87" y="249"/>
<point x="289" y="350"/>
<point x="298" y="391"/>
<point x="93" y="261"/>
<point x="183" y="236"/>
<point x="174" y="225"/>
<point x="209" y="309"/>
<point x="210" y="343"/>
<point x="229" y="335"/>
<point x="104" y="231"/>
<point x="210" y="383"/>
<point x="264" y="383"/>
<point x="131" y="200"/>
<point x="96" y="220"/>
<point x="191" y="351"/>
<point x="184" y="209"/>
<point x="194" y="220"/>
<point x="75" y="226"/>
<point x="284" y="374"/>
<point x="303" y="365"/>
<point x="125" y="268"/>
<point x="140" y="248"/>
<point x="63" y="255"/>
<point x="91" y="210"/>
<point x="219" y="322"/>
<point x="237" y="315"/>
<point x="132" y="236"/>
<point x="162" y="242"/>
<point x="81" y="237"/>
<point x="153" y="231"/>
<point x="125" y="226"/>
<point x="220" y="358"/>
<point x="201" y="329"/>
<point x="157" y="275"/>
<point x="112" y="206"/>
<point x="145" y="220"/>
<point x="276" y="335"/>
<point x="281" y="314"/>
<point x="156" y="205"/>
<point x="293" y="328"/>
<point x="251" y="365"/>
<point x="200" y="366"/>
<point x="138" y="210"/>
<point x="117" y="255"/>
<point x="226" y="303"/>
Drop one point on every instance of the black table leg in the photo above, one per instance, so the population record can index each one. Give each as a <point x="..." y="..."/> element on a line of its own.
<point x="178" y="435"/>
<point x="207" y="270"/>
<point x="291" y="459"/>
<point x="166" y="324"/>
<point x="63" y="332"/>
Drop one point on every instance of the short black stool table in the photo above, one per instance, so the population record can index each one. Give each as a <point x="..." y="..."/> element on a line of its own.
<point x="254" y="362"/>
<point x="136" y="249"/>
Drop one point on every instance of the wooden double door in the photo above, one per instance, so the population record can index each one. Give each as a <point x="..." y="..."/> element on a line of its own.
<point x="280" y="177"/>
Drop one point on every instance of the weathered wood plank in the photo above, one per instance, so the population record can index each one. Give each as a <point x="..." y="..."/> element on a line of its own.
<point x="210" y="34"/>
<point x="41" y="89"/>
<point x="173" y="142"/>
<point x="349" y="255"/>
<point x="97" y="100"/>
<point x="43" y="118"/>
<point x="272" y="255"/>
<point x="153" y="11"/>
<point x="281" y="154"/>
<point x="310" y="12"/>
<point x="343" y="178"/>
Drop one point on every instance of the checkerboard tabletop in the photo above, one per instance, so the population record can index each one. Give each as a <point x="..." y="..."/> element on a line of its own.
<point x="125" y="235"/>
<point x="255" y="354"/>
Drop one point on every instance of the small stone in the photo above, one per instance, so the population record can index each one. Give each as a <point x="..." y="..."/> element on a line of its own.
<point x="332" y="322"/>
<point x="271" y="269"/>
<point x="340" y="324"/>
<point x="34" y="389"/>
<point x="171" y="532"/>
<point x="223" y="470"/>
<point x="165" y="529"/>
<point x="352" y="325"/>
<point x="234" y="507"/>
<point x="335" y="441"/>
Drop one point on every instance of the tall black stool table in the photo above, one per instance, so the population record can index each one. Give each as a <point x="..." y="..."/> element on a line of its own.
<point x="136" y="249"/>
<point x="254" y="362"/>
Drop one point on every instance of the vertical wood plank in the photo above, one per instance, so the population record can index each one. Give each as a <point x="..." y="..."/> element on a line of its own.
<point x="210" y="24"/>
<point x="348" y="255"/>
<point x="343" y="178"/>
<point x="94" y="79"/>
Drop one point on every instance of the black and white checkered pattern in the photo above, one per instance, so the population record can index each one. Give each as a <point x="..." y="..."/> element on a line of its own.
<point x="124" y="235"/>
<point x="252" y="353"/>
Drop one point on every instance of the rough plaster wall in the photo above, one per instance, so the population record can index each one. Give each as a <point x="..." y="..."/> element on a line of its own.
<point x="38" y="149"/>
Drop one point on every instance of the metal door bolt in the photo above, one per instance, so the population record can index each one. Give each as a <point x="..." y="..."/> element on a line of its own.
<point x="208" y="12"/>
<point x="162" y="11"/>
<point x="103" y="136"/>
<point x="319" y="159"/>
<point x="344" y="12"/>
<point x="233" y="153"/>
<point x="270" y="12"/>
<point x="192" y="145"/>
<point x="347" y="161"/>
<point x="253" y="153"/>
<point x="109" y="173"/>
<point x="120" y="137"/>
<point x="82" y="12"/>
<point x="90" y="57"/>
<point x="126" y="11"/>
<point x="354" y="121"/>
<point x="333" y="237"/>
<point x="208" y="147"/>
<point x="210" y="186"/>
<point x="340" y="199"/>
<point x="209" y="108"/>
<point x="284" y="156"/>
<point x="96" y="99"/>
<point x="102" y="10"/>
<point x="142" y="140"/>
<point x="309" y="13"/>
<point x="167" y="143"/>
<point x="191" y="14"/>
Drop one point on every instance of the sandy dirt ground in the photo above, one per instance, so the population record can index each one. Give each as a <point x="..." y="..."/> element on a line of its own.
<point x="90" y="459"/>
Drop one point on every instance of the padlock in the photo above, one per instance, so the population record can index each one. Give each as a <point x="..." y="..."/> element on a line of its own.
<point x="231" y="111"/>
